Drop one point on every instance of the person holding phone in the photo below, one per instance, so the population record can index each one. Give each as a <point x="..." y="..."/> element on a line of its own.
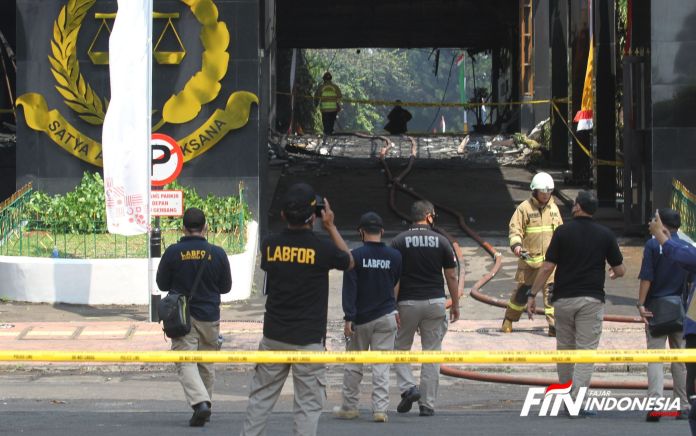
<point x="297" y="264"/>
<point x="685" y="256"/>
<point x="662" y="278"/>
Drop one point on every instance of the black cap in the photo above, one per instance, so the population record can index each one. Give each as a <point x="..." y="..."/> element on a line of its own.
<point x="371" y="222"/>
<point x="299" y="198"/>
<point x="670" y="217"/>
<point x="194" y="219"/>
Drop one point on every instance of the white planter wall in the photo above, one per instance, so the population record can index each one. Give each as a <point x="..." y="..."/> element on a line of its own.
<point x="104" y="281"/>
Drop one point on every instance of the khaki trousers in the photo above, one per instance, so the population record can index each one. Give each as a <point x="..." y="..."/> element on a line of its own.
<point x="430" y="317"/>
<point x="377" y="334"/>
<point x="309" y="382"/>
<point x="578" y="327"/>
<point x="656" y="370"/>
<point x="197" y="379"/>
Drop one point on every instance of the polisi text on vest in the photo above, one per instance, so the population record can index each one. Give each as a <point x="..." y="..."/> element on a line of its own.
<point x="422" y="241"/>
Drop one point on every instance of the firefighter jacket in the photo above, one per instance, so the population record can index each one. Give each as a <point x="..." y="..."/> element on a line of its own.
<point x="327" y="97"/>
<point x="532" y="226"/>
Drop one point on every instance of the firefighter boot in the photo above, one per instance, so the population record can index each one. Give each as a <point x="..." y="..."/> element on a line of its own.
<point x="507" y="326"/>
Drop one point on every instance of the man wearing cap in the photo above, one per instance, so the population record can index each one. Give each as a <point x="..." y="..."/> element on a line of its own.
<point x="369" y="305"/>
<point x="177" y="271"/>
<point x="661" y="277"/>
<point x="578" y="252"/>
<point x="297" y="264"/>
<point x="421" y="302"/>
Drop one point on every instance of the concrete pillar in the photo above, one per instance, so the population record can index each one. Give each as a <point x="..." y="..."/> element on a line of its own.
<point x="605" y="104"/>
<point x="558" y="15"/>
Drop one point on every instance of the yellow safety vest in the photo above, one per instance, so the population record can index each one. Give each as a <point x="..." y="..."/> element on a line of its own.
<point x="328" y="95"/>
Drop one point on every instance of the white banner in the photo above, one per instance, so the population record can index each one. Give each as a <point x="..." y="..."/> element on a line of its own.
<point x="126" y="134"/>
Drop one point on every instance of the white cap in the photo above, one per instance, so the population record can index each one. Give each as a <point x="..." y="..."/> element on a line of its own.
<point x="541" y="181"/>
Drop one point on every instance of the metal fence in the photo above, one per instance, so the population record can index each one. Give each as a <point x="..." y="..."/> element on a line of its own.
<point x="684" y="201"/>
<point x="23" y="236"/>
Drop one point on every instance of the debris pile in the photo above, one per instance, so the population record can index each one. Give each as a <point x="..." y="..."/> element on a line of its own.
<point x="477" y="149"/>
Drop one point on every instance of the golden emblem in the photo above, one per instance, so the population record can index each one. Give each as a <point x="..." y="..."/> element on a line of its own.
<point x="182" y="107"/>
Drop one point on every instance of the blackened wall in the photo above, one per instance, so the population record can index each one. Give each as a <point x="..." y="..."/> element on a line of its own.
<point x="233" y="160"/>
<point x="7" y="149"/>
<point x="673" y="56"/>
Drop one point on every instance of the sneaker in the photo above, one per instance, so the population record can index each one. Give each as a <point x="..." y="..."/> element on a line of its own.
<point x="552" y="331"/>
<point x="507" y="326"/>
<point x="341" y="413"/>
<point x="201" y="413"/>
<point x="407" y="399"/>
<point x="380" y="417"/>
<point x="426" y="411"/>
<point x="652" y="417"/>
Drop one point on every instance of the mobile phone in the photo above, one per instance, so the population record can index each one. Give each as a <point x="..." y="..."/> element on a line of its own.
<point x="319" y="206"/>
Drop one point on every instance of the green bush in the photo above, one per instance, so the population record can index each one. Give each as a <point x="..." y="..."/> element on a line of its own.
<point x="82" y="210"/>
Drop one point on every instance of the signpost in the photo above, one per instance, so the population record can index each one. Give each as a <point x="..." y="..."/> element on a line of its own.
<point x="166" y="164"/>
<point x="166" y="203"/>
<point x="167" y="159"/>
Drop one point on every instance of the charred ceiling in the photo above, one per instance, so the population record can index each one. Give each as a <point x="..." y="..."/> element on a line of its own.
<point x="475" y="24"/>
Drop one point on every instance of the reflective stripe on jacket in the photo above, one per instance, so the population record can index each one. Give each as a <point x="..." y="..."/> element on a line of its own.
<point x="328" y="95"/>
<point x="532" y="226"/>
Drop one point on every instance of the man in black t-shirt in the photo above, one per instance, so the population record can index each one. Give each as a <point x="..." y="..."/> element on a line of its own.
<point x="371" y="319"/>
<point x="177" y="271"/>
<point x="297" y="264"/>
<point x="579" y="252"/>
<point x="421" y="302"/>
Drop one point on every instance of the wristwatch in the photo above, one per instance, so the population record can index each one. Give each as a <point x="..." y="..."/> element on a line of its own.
<point x="639" y="305"/>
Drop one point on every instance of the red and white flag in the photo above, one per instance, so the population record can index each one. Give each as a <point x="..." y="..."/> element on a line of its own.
<point x="585" y="115"/>
<point x="126" y="134"/>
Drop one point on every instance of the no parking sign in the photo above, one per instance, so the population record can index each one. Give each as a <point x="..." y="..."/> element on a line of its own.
<point x="167" y="159"/>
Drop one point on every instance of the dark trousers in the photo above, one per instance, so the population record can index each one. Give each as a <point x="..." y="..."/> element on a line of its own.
<point x="328" y="119"/>
<point x="690" y="388"/>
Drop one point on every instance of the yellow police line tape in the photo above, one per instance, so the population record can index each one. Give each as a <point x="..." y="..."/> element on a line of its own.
<point x="428" y="104"/>
<point x="341" y="357"/>
<point x="552" y="102"/>
<point x="598" y="162"/>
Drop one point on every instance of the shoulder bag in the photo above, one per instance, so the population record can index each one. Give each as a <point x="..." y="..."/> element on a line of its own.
<point x="173" y="310"/>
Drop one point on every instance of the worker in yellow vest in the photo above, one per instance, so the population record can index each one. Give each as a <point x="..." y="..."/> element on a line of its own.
<point x="530" y="231"/>
<point x="328" y="98"/>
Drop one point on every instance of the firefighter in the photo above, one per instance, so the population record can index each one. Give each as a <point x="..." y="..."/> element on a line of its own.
<point x="531" y="228"/>
<point x="328" y="98"/>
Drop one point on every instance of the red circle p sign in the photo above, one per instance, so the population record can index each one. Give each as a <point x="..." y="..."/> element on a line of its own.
<point x="167" y="160"/>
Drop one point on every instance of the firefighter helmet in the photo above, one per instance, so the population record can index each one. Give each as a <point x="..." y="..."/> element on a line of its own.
<point x="541" y="181"/>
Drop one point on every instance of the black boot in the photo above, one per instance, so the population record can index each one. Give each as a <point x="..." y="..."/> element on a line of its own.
<point x="201" y="414"/>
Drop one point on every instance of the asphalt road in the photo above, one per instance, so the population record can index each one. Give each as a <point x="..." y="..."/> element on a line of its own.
<point x="147" y="422"/>
<point x="86" y="401"/>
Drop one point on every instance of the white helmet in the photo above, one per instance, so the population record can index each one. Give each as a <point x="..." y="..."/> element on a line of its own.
<point x="541" y="181"/>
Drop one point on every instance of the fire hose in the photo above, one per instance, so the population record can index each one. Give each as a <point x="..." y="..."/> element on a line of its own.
<point x="396" y="183"/>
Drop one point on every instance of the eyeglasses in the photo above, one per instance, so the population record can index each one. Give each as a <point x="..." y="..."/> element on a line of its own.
<point x="545" y="191"/>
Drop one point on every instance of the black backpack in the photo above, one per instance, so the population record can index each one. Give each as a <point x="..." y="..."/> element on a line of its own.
<point x="173" y="310"/>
